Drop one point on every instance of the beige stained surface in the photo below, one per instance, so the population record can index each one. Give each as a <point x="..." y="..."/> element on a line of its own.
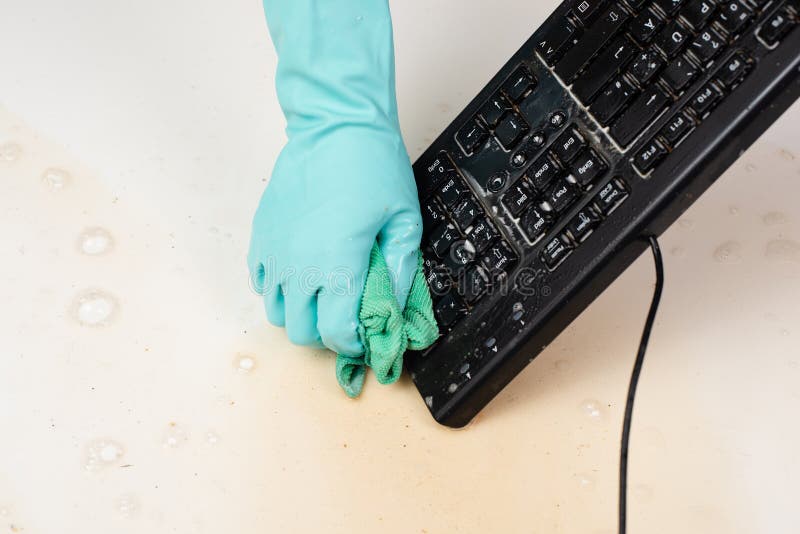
<point x="185" y="413"/>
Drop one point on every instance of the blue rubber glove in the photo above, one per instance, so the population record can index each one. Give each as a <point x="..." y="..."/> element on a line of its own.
<point x="342" y="181"/>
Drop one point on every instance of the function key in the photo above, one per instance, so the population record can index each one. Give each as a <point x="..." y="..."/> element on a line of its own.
<point x="649" y="155"/>
<point x="677" y="128"/>
<point x="543" y="172"/>
<point x="554" y="38"/>
<point x="734" y="70"/>
<point x="518" y="197"/>
<point x="510" y="130"/>
<point x="587" y="168"/>
<point x="560" y="196"/>
<point x="610" y="196"/>
<point x="670" y="7"/>
<point x="672" y="38"/>
<point x="734" y="16"/>
<point x="587" y="10"/>
<point x="449" y="309"/>
<point x="432" y="214"/>
<point x="441" y="239"/>
<point x="646" y="66"/>
<point x="466" y="211"/>
<point x="519" y="84"/>
<point x="450" y="191"/>
<point x="482" y="234"/>
<point x="776" y="26"/>
<point x="639" y="115"/>
<point x="471" y="136"/>
<point x="534" y="224"/>
<point x="493" y="110"/>
<point x="582" y="224"/>
<point x="474" y="284"/>
<point x="705" y="99"/>
<point x="555" y="251"/>
<point x="698" y="12"/>
<point x="707" y="45"/>
<point x="612" y="100"/>
<point x="644" y="27"/>
<point x="499" y="260"/>
<point x="679" y="73"/>
<point x="569" y="144"/>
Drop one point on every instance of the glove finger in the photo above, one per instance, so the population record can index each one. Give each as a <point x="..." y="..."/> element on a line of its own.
<point x="274" y="305"/>
<point x="399" y="243"/>
<point x="301" y="318"/>
<point x="338" y="319"/>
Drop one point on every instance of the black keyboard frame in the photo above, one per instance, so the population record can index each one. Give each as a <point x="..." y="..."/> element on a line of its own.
<point x="502" y="333"/>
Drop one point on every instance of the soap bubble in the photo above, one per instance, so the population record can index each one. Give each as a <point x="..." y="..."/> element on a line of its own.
<point x="56" y="179"/>
<point x="244" y="363"/>
<point x="95" y="241"/>
<point x="102" y="453"/>
<point x="94" y="308"/>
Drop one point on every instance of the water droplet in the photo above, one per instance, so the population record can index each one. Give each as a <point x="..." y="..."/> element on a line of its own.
<point x="592" y="409"/>
<point x="677" y="251"/>
<point x="489" y="343"/>
<point x="95" y="241"/>
<point x="585" y="481"/>
<point x="728" y="252"/>
<point x="518" y="311"/>
<point x="429" y="401"/>
<point x="127" y="505"/>
<point x="783" y="250"/>
<point x="464" y="369"/>
<point x="10" y="152"/>
<point x="359" y="18"/>
<point x="750" y="167"/>
<point x="452" y="388"/>
<point x="4" y="511"/>
<point x="174" y="436"/>
<point x="734" y="210"/>
<point x="784" y="332"/>
<point x="775" y="218"/>
<point x="244" y="363"/>
<point x="102" y="453"/>
<point x="686" y="223"/>
<point x="787" y="155"/>
<point x="562" y="365"/>
<point x="56" y="179"/>
<point x="94" y="307"/>
<point x="212" y="438"/>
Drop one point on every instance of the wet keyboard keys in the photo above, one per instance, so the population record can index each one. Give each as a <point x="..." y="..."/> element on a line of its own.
<point x="587" y="168"/>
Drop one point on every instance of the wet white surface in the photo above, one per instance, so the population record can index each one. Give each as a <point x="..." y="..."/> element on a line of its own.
<point x="141" y="389"/>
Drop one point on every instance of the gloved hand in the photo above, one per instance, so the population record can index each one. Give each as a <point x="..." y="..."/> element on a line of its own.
<point x="344" y="178"/>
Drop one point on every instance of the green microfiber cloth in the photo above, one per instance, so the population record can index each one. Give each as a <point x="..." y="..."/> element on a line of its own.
<point x="385" y="331"/>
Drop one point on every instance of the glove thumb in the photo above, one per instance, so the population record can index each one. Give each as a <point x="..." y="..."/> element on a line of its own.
<point x="399" y="243"/>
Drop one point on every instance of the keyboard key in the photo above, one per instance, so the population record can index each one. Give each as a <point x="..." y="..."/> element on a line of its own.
<point x="436" y="170"/>
<point x="595" y="38"/>
<point x="543" y="172"/>
<point x="449" y="309"/>
<point x="518" y="197"/>
<point x="707" y="45"/>
<point x="560" y="196"/>
<point x="534" y="224"/>
<point x="442" y="237"/>
<point x="646" y="66"/>
<point x="734" y="16"/>
<point x="698" y="12"/>
<point x="474" y="284"/>
<point x="644" y="27"/>
<point x="705" y="99"/>
<point x="466" y="211"/>
<point x="499" y="260"/>
<point x="670" y="7"/>
<point x="519" y="83"/>
<point x="639" y="115"/>
<point x="556" y="250"/>
<point x="734" y="70"/>
<point x="679" y="73"/>
<point x="587" y="167"/>
<point x="610" y="196"/>
<point x="482" y="234"/>
<point x="511" y="130"/>
<point x="677" y="128"/>
<point x="672" y="38"/>
<point x="450" y="191"/>
<point x="773" y="30"/>
<point x="554" y="38"/>
<point x="612" y="100"/>
<point x="437" y="276"/>
<point x="582" y="224"/>
<point x="587" y="10"/>
<point x="602" y="69"/>
<point x="432" y="214"/>
<point x="493" y="110"/>
<point x="649" y="156"/>
<point x="569" y="144"/>
<point x="471" y="136"/>
<point x="461" y="254"/>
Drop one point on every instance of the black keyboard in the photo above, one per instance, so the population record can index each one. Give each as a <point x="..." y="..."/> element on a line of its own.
<point x="604" y="127"/>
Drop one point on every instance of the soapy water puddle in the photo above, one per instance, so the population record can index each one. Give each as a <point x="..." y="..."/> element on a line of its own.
<point x="94" y="308"/>
<point x="95" y="241"/>
<point x="102" y="453"/>
<point x="775" y="218"/>
<point x="244" y="363"/>
<point x="728" y="252"/>
<point x="10" y="152"/>
<point x="174" y="436"/>
<point x="56" y="179"/>
<point x="592" y="409"/>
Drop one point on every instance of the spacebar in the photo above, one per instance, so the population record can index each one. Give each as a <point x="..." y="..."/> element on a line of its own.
<point x="643" y="110"/>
